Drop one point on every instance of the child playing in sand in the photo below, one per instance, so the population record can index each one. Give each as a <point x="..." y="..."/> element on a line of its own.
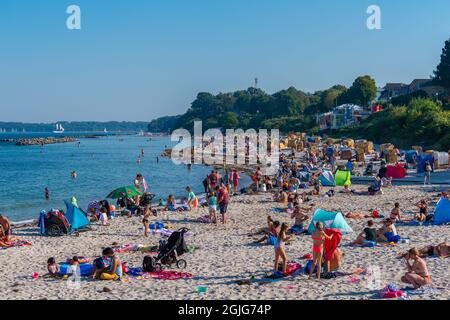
<point x="192" y="199"/>
<point x="52" y="267"/>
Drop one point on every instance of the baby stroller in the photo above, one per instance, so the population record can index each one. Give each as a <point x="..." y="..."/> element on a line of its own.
<point x="55" y="224"/>
<point x="170" y="251"/>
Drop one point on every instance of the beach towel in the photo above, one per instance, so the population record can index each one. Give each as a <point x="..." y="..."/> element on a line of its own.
<point x="144" y="184"/>
<point x="19" y="243"/>
<point x="166" y="232"/>
<point x="278" y="210"/>
<point x="163" y="274"/>
<point x="396" y="172"/>
<point x="333" y="243"/>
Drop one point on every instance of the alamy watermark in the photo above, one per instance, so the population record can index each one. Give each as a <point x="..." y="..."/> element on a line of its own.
<point x="73" y="22"/>
<point x="237" y="147"/>
<point x="374" y="20"/>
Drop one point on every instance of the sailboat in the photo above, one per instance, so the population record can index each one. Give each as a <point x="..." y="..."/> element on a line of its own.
<point x="59" y="128"/>
<point x="105" y="131"/>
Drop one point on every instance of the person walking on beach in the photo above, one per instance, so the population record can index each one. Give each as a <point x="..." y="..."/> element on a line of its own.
<point x="223" y="202"/>
<point x="258" y="177"/>
<point x="417" y="274"/>
<point x="235" y="178"/>
<point x="47" y="193"/>
<point x="318" y="237"/>
<point x="427" y="174"/>
<point x="145" y="220"/>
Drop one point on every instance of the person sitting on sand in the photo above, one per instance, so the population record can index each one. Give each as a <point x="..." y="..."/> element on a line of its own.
<point x="273" y="228"/>
<point x="299" y="214"/>
<point x="171" y="203"/>
<point x="281" y="197"/>
<point x="336" y="260"/>
<point x="52" y="267"/>
<point x="108" y="267"/>
<point x="387" y="228"/>
<point x="318" y="237"/>
<point x="417" y="274"/>
<point x="280" y="251"/>
<point x="7" y="231"/>
<point x="368" y="234"/>
<point x="395" y="213"/>
<point x="423" y="211"/>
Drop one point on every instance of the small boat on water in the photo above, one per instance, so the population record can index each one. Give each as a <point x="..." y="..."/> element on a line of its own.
<point x="59" y="128"/>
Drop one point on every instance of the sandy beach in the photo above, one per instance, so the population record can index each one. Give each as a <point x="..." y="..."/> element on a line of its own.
<point x="225" y="254"/>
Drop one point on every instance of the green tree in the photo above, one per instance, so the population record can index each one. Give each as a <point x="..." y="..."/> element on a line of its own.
<point x="362" y="91"/>
<point x="229" y="120"/>
<point x="442" y="72"/>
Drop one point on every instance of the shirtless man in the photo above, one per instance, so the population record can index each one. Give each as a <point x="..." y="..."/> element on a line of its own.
<point x="417" y="274"/>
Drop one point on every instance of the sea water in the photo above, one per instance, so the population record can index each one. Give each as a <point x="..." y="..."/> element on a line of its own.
<point x="102" y="164"/>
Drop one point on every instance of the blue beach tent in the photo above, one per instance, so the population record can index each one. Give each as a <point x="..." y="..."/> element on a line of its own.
<point x="327" y="179"/>
<point x="333" y="220"/>
<point x="442" y="211"/>
<point x="76" y="218"/>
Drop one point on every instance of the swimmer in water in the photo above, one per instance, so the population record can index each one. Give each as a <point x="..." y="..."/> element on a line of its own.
<point x="74" y="175"/>
<point x="47" y="193"/>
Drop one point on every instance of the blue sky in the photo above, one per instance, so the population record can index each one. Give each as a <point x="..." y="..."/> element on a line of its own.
<point x="137" y="60"/>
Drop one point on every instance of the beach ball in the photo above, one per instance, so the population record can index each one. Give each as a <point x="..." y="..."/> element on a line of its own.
<point x="112" y="208"/>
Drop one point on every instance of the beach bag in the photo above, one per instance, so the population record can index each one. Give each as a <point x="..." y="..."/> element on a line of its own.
<point x="391" y="237"/>
<point x="149" y="264"/>
<point x="369" y="244"/>
<point x="428" y="168"/>
<point x="391" y="291"/>
<point x="272" y="240"/>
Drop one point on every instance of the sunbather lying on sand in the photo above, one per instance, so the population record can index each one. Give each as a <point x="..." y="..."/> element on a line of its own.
<point x="355" y="215"/>
<point x="441" y="250"/>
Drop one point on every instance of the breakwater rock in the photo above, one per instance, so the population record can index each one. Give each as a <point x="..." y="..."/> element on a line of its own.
<point x="39" y="141"/>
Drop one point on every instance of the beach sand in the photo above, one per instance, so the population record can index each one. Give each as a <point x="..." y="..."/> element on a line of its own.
<point x="226" y="254"/>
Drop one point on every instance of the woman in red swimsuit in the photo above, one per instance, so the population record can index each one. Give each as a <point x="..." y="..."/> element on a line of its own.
<point x="318" y="237"/>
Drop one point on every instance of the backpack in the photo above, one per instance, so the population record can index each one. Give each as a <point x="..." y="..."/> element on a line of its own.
<point x="149" y="264"/>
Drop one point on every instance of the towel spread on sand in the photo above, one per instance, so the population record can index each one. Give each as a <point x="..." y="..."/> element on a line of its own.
<point x="278" y="210"/>
<point x="19" y="243"/>
<point x="167" y="232"/>
<point x="204" y="219"/>
<point x="163" y="274"/>
<point x="130" y="248"/>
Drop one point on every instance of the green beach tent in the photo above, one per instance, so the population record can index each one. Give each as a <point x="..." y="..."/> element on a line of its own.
<point x="343" y="178"/>
<point x="76" y="218"/>
<point x="333" y="220"/>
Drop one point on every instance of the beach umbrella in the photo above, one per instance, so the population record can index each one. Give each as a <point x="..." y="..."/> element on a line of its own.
<point x="124" y="192"/>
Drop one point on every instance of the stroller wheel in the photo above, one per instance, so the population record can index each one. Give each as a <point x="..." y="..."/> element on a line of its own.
<point x="181" y="264"/>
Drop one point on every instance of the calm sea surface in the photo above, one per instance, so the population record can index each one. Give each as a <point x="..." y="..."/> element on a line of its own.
<point x="101" y="164"/>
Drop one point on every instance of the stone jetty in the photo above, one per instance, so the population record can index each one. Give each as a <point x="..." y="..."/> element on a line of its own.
<point x="39" y="141"/>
